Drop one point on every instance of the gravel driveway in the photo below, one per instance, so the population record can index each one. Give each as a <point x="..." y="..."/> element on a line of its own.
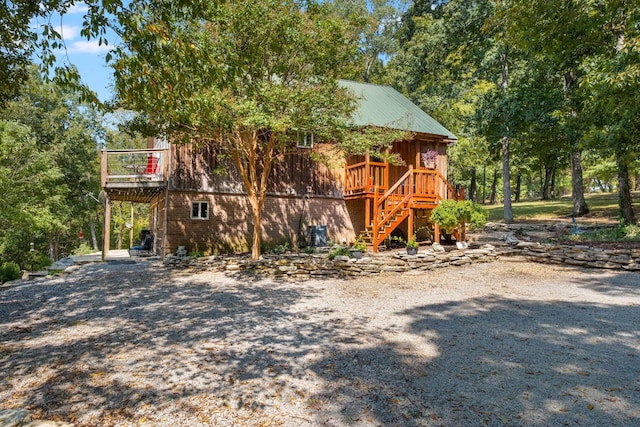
<point x="505" y="343"/>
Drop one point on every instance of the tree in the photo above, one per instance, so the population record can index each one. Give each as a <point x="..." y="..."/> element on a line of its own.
<point x="248" y="77"/>
<point x="611" y="76"/>
<point x="66" y="133"/>
<point x="460" y="48"/>
<point x="27" y="178"/>
<point x="563" y="33"/>
<point x="16" y="46"/>
<point x="377" y="23"/>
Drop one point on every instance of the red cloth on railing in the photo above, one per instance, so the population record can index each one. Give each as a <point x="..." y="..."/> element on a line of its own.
<point x="152" y="165"/>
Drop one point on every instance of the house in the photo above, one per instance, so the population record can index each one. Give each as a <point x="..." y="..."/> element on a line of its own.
<point x="196" y="206"/>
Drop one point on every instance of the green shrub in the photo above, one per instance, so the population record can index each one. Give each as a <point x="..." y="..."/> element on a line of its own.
<point x="452" y="213"/>
<point x="9" y="271"/>
<point x="411" y="243"/>
<point x="627" y="232"/>
<point x="339" y="251"/>
<point x="359" y="244"/>
<point x="83" y="249"/>
<point x="36" y="260"/>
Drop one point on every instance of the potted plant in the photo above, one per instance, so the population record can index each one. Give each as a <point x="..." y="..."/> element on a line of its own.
<point x="412" y="246"/>
<point x="429" y="158"/>
<point x="359" y="247"/>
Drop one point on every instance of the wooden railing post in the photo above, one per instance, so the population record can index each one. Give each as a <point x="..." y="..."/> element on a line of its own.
<point x="375" y="224"/>
<point x="104" y="168"/>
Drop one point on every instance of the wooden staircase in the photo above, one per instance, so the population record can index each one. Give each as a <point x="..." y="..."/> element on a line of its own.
<point x="414" y="190"/>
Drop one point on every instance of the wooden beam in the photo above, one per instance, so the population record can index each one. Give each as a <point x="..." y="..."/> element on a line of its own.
<point x="367" y="212"/>
<point x="410" y="224"/>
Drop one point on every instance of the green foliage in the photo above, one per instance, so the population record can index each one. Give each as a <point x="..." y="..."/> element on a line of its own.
<point x="359" y="245"/>
<point x="450" y="214"/>
<point x="629" y="232"/>
<point x="9" y="271"/>
<point x="83" y="249"/>
<point x="338" y="251"/>
<point x="48" y="164"/>
<point x="412" y="242"/>
<point x="282" y="248"/>
<point x="35" y="260"/>
<point x="196" y="254"/>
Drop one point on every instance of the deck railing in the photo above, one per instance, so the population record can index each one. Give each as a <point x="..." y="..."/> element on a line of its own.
<point x="363" y="177"/>
<point x="131" y="166"/>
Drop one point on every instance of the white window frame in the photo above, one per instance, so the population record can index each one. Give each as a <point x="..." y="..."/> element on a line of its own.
<point x="200" y="207"/>
<point x="305" y="140"/>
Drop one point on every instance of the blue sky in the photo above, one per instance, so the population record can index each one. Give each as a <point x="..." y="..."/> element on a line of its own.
<point x="85" y="54"/>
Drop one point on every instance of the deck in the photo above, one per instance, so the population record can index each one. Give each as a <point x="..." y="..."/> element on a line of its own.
<point x="134" y="175"/>
<point x="388" y="204"/>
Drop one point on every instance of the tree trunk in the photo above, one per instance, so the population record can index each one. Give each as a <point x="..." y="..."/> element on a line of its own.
<point x="552" y="188"/>
<point x="546" y="184"/>
<point x="119" y="238"/>
<point x="484" y="184"/>
<point x="518" y="186"/>
<point x="53" y="248"/>
<point x="473" y="186"/>
<point x="577" y="186"/>
<point x="624" y="190"/>
<point x="506" y="166"/>
<point x="92" y="231"/>
<point x="506" y="182"/>
<point x="257" y="227"/>
<point x="494" y="187"/>
<point x="253" y="154"/>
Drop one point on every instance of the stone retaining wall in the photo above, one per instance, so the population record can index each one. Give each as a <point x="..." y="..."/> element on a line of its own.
<point x="300" y="265"/>
<point x="580" y="255"/>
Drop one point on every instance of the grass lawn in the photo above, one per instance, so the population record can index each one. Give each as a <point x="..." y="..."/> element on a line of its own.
<point x="603" y="209"/>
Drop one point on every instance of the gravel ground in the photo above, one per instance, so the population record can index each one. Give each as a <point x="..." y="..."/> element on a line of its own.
<point x="505" y="343"/>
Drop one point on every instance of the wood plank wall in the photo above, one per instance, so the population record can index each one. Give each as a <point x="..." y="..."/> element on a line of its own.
<point x="203" y="168"/>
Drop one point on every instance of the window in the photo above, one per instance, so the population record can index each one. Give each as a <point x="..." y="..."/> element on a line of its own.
<point x="200" y="210"/>
<point x="305" y="140"/>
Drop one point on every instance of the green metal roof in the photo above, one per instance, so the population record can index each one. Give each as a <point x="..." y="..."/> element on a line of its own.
<point x="384" y="106"/>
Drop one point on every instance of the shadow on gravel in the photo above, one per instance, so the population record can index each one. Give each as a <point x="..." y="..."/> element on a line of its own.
<point x="499" y="362"/>
<point x="117" y="344"/>
<point x="112" y="342"/>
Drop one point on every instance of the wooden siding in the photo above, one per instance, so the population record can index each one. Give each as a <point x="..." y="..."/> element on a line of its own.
<point x="203" y="168"/>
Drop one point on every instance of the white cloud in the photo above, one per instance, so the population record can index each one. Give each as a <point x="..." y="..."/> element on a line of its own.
<point x="84" y="46"/>
<point x="78" y="8"/>
<point x="68" y="32"/>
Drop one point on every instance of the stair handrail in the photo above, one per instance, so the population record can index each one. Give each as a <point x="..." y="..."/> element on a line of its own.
<point x="378" y="201"/>
<point x="395" y="186"/>
<point x="452" y="194"/>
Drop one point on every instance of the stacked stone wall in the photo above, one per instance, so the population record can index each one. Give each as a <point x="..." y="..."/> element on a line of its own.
<point x="297" y="265"/>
